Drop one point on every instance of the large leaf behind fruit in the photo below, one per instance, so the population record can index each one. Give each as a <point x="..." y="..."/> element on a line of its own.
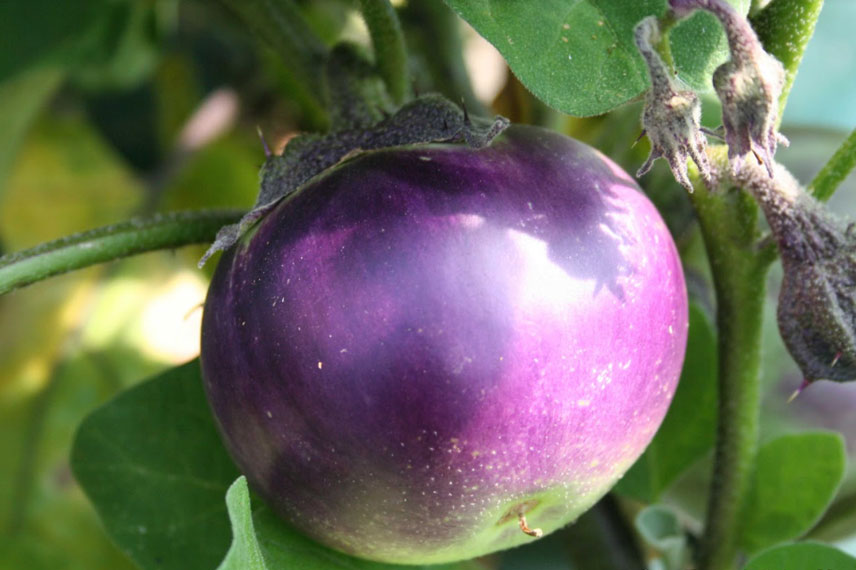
<point x="687" y="432"/>
<point x="578" y="56"/>
<point x="152" y="463"/>
<point x="43" y="30"/>
<point x="262" y="542"/>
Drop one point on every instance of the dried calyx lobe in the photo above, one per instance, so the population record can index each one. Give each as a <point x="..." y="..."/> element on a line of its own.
<point x="817" y="305"/>
<point x="671" y="117"/>
<point x="817" y="301"/>
<point x="748" y="85"/>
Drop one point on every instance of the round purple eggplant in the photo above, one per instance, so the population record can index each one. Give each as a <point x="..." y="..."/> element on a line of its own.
<point x="427" y="346"/>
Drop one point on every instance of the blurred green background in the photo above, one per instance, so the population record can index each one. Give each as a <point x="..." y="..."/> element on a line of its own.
<point x="113" y="108"/>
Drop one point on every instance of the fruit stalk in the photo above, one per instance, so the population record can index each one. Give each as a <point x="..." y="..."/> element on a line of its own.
<point x="389" y="48"/>
<point x="282" y="27"/>
<point x="433" y="34"/>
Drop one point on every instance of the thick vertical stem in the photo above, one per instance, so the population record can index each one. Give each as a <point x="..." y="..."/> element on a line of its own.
<point x="388" y="43"/>
<point x="728" y="222"/>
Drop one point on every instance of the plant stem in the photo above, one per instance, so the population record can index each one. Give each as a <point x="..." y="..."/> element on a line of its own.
<point x="729" y="225"/>
<point x="281" y="25"/>
<point x="663" y="45"/>
<point x="162" y="231"/>
<point x="389" y="48"/>
<point x="434" y="33"/>
<point x="835" y="171"/>
<point x="784" y="28"/>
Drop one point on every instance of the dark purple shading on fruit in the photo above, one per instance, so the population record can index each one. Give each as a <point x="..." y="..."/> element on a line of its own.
<point x="428" y="341"/>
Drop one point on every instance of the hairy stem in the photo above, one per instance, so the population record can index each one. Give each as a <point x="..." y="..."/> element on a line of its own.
<point x="434" y="33"/>
<point x="741" y="38"/>
<point x="729" y="225"/>
<point x="835" y="171"/>
<point x="281" y="25"/>
<point x="163" y="231"/>
<point x="663" y="45"/>
<point x="784" y="28"/>
<point x="388" y="43"/>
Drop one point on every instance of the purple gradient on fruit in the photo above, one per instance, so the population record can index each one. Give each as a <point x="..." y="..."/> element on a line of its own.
<point x="427" y="337"/>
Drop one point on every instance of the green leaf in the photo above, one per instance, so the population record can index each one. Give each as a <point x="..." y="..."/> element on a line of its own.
<point x="39" y="31"/>
<point x="801" y="556"/>
<point x="578" y="56"/>
<point x="103" y="43"/>
<point x="262" y="542"/>
<point x="245" y="553"/>
<point x="795" y="480"/>
<point x="21" y="98"/>
<point x="785" y="27"/>
<point x="699" y="47"/>
<point x="126" y="45"/>
<point x="688" y="430"/>
<point x="284" y="547"/>
<point x="152" y="463"/>
<point x="661" y="529"/>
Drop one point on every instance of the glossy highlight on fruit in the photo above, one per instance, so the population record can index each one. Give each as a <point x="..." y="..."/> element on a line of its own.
<point x="425" y="344"/>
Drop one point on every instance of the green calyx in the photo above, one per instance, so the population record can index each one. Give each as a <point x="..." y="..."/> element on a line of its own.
<point x="428" y="119"/>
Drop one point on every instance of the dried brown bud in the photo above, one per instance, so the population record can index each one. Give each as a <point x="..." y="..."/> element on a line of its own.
<point x="671" y="117"/>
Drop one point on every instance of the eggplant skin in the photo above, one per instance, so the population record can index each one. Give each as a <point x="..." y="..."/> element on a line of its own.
<point x="426" y="342"/>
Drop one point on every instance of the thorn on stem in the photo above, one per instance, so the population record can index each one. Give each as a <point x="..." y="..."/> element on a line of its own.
<point x="798" y="391"/>
<point x="836" y="359"/>
<point x="758" y="158"/>
<point x="268" y="153"/>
